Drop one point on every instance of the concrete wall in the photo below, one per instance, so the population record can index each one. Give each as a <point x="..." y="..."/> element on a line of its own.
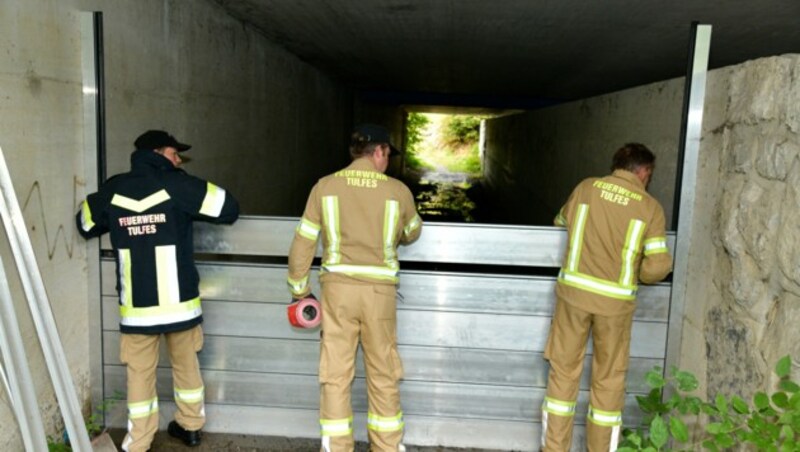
<point x="743" y="294"/>
<point x="534" y="160"/>
<point x="263" y="124"/>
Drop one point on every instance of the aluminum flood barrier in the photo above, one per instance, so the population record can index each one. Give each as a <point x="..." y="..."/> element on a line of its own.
<point x="473" y="318"/>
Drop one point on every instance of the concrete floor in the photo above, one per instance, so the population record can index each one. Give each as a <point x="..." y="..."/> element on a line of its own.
<point x="244" y="443"/>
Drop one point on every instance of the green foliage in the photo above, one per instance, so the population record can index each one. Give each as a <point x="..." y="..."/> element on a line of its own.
<point x="772" y="423"/>
<point x="415" y="125"/>
<point x="94" y="426"/>
<point x="462" y="129"/>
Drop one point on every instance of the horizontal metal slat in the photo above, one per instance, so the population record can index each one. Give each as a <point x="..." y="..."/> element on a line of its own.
<point x="422" y="328"/>
<point x="487" y="293"/>
<point x="425" y="399"/>
<point x="422" y="364"/>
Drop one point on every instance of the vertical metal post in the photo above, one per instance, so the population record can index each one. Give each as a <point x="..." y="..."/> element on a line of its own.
<point x="683" y="214"/>
<point x="39" y="305"/>
<point x="94" y="174"/>
<point x="19" y="382"/>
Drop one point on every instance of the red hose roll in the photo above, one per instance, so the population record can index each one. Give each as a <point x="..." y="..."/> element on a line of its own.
<point x="305" y="313"/>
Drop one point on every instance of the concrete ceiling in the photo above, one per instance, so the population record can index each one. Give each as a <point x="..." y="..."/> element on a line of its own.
<point x="514" y="53"/>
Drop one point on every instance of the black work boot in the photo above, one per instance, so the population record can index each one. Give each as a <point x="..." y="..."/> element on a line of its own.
<point x="189" y="437"/>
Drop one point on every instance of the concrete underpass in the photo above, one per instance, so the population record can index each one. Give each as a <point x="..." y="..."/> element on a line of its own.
<point x="267" y="93"/>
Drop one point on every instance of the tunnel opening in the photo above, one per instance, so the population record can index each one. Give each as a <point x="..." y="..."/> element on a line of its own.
<point x="443" y="165"/>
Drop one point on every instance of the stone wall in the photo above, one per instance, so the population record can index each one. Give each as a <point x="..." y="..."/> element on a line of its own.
<point x="748" y="287"/>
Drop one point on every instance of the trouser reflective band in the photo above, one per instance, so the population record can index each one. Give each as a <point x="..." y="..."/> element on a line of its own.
<point x="558" y="407"/>
<point x="189" y="395"/>
<point x="604" y="418"/>
<point x="138" y="410"/>
<point x="385" y="424"/>
<point x="336" y="427"/>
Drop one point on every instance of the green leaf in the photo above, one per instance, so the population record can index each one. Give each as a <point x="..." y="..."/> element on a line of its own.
<point x="686" y="381"/>
<point x="658" y="432"/>
<point x="789" y="386"/>
<point x="761" y="401"/>
<point x="787" y="432"/>
<point x="784" y="366"/>
<point x="678" y="429"/>
<point x="739" y="405"/>
<point x="721" y="404"/>
<point x="724" y="440"/>
<point x="654" y="379"/>
<point x="714" y="427"/>
<point x="709" y="444"/>
<point x="626" y="449"/>
<point x="780" y="399"/>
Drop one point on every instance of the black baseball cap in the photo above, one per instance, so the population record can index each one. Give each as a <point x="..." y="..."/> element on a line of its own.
<point x="155" y="139"/>
<point x="373" y="133"/>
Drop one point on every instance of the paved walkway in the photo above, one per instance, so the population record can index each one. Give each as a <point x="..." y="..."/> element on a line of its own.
<point x="224" y="442"/>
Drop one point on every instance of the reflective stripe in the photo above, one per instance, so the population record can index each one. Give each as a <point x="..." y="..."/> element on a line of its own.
<point x="142" y="205"/>
<point x="412" y="225"/>
<point x="330" y="218"/>
<point x="576" y="242"/>
<point x="124" y="256"/>
<point x="167" y="275"/>
<point x="297" y="287"/>
<point x="308" y="229"/>
<point x="655" y="245"/>
<point x="336" y="427"/>
<point x="390" y="219"/>
<point x="597" y="285"/>
<point x="558" y="407"/>
<point x="139" y="410"/>
<point x="160" y="315"/>
<point x="189" y="395"/>
<point x="369" y="271"/>
<point x="214" y="200"/>
<point x="385" y="424"/>
<point x="633" y="240"/>
<point x="86" y="217"/>
<point x="544" y="427"/>
<point x="614" y="443"/>
<point x="560" y="219"/>
<point x="604" y="418"/>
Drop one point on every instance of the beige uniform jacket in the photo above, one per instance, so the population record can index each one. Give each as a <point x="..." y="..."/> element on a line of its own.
<point x="361" y="215"/>
<point x="617" y="238"/>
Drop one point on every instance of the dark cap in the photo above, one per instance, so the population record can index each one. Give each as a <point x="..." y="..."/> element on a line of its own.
<point x="373" y="133"/>
<point x="155" y="139"/>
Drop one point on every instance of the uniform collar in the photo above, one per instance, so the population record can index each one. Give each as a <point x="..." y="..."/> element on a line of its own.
<point x="628" y="176"/>
<point x="364" y="164"/>
<point x="147" y="158"/>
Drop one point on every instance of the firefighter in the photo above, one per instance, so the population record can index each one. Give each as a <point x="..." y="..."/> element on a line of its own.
<point x="616" y="238"/>
<point x="148" y="213"/>
<point x="361" y="215"/>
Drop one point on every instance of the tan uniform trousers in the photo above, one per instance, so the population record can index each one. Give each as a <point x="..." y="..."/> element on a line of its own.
<point x="368" y="312"/>
<point x="566" y="347"/>
<point x="139" y="352"/>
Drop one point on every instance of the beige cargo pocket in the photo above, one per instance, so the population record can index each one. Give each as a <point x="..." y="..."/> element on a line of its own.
<point x="397" y="365"/>
<point x="123" y="349"/>
<point x="549" y="344"/>
<point x="198" y="338"/>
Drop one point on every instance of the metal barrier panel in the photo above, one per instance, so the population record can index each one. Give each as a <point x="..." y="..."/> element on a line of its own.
<point x="471" y="342"/>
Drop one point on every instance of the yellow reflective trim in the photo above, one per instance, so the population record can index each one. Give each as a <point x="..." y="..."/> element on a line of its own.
<point x="86" y="217"/>
<point x="630" y="249"/>
<point x="558" y="407"/>
<point x="330" y="218"/>
<point x="308" y="229"/>
<point x="160" y="315"/>
<point x="189" y="395"/>
<point x="597" y="285"/>
<point x="167" y="275"/>
<point x="138" y="410"/>
<point x="390" y="219"/>
<point x="213" y="201"/>
<point x="368" y="271"/>
<point x="655" y="245"/>
<point x="125" y="296"/>
<point x="560" y="219"/>
<point x="604" y="418"/>
<point x="385" y="424"/>
<point x="576" y="241"/>
<point x="140" y="205"/>
<point x="336" y="427"/>
<point x="297" y="286"/>
<point x="413" y="225"/>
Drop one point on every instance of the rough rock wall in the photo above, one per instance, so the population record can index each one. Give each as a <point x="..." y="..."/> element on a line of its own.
<point x="754" y="136"/>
